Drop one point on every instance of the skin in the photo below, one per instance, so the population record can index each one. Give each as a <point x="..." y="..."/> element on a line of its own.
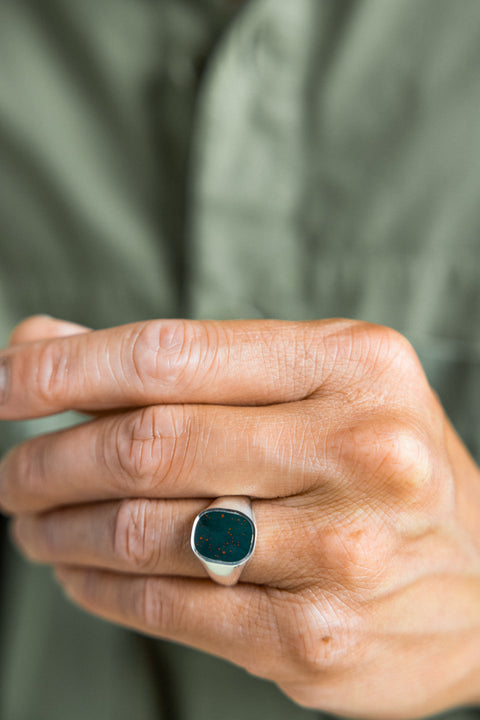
<point x="363" y="594"/>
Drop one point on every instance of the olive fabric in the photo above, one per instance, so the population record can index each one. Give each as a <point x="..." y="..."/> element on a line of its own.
<point x="293" y="160"/>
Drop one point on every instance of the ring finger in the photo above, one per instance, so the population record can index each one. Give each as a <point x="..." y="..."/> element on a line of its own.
<point x="144" y="536"/>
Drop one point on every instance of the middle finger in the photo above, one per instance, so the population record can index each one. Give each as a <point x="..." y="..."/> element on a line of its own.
<point x="172" y="451"/>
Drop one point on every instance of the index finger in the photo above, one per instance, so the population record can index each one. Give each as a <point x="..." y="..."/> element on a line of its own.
<point x="168" y="361"/>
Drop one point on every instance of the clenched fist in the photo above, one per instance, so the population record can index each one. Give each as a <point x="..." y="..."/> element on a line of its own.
<point x="363" y="593"/>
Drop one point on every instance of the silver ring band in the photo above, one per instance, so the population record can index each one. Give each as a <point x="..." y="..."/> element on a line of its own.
<point x="223" y="538"/>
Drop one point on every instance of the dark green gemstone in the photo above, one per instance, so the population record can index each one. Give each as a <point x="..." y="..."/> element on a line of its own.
<point x="224" y="535"/>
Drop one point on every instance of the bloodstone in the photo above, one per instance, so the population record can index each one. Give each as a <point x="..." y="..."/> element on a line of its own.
<point x="224" y="535"/>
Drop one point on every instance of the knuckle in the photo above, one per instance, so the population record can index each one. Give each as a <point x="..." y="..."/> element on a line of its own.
<point x="153" y="446"/>
<point x="23" y="471"/>
<point x="314" y="638"/>
<point x="356" y="552"/>
<point x="385" y="454"/>
<point x="314" y="655"/>
<point x="50" y="372"/>
<point x="136" y="539"/>
<point x="349" y="548"/>
<point x="149" y="608"/>
<point x="389" y="350"/>
<point x="23" y="468"/>
<point x="409" y="462"/>
<point x="137" y="448"/>
<point x="325" y="648"/>
<point x="353" y="351"/>
<point x="176" y="352"/>
<point x="161" y="350"/>
<point x="383" y="340"/>
<point x="163" y="609"/>
<point x="49" y="547"/>
<point x="374" y="349"/>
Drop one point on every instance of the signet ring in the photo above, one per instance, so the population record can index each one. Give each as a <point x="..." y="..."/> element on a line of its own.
<point x="223" y="538"/>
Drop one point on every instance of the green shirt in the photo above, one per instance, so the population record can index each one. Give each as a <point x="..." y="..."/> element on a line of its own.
<point x="295" y="159"/>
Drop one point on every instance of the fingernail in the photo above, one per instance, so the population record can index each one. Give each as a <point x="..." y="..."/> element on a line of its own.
<point x="3" y="379"/>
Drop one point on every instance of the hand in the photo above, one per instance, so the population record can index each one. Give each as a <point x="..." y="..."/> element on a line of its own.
<point x="363" y="594"/>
